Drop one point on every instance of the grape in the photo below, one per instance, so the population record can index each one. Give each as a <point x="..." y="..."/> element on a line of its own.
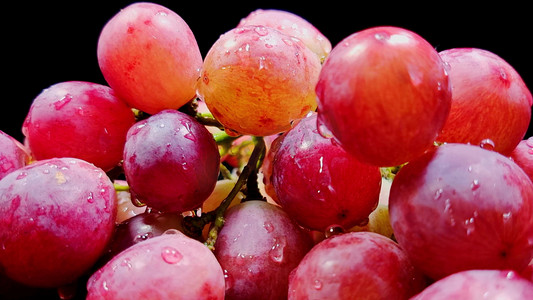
<point x="169" y="266"/>
<point x="257" y="81"/>
<point x="490" y="101"/>
<point x="522" y="155"/>
<point x="462" y="207"/>
<point x="355" y="265"/>
<point x="56" y="218"/>
<point x="384" y="95"/>
<point x="171" y="162"/>
<point x="13" y="154"/>
<point x="292" y="25"/>
<point x="479" y="284"/>
<point x="318" y="183"/>
<point x="78" y="119"/>
<point x="126" y="207"/>
<point x="150" y="57"/>
<point x="258" y="247"/>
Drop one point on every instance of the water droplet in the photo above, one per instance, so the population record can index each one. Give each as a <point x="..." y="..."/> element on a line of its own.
<point x="22" y="175"/>
<point x="268" y="226"/>
<point x="172" y="231"/>
<point x="474" y="185"/>
<point x="438" y="193"/>
<point x="288" y="42"/>
<point x="507" y="216"/>
<point x="228" y="279"/>
<point x="260" y="30"/>
<point x="142" y="237"/>
<point x="333" y="230"/>
<point x="190" y="136"/>
<point x="470" y="226"/>
<point x="62" y="102"/>
<point x="269" y="45"/>
<point x="317" y="284"/>
<point x="126" y="263"/>
<point x="171" y="255"/>
<point x="380" y="36"/>
<point x="487" y="144"/>
<point x="323" y="130"/>
<point x="90" y="198"/>
<point x="276" y="252"/>
<point x="104" y="285"/>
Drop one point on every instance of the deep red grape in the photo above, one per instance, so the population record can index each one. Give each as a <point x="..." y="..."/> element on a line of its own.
<point x="462" y="207"/>
<point x="171" y="162"/>
<point x="384" y="94"/>
<point x="479" y="285"/>
<point x="258" y="247"/>
<point x="13" y="154"/>
<point x="490" y="101"/>
<point x="355" y="265"/>
<point x="522" y="155"/>
<point x="169" y="266"/>
<point x="56" y="218"/>
<point x="78" y="119"/>
<point x="148" y="54"/>
<point x="318" y="183"/>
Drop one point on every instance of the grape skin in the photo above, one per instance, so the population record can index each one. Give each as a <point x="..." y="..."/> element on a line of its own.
<point x="56" y="217"/>
<point x="171" y="162"/>
<point x="169" y="266"/>
<point x="13" y="155"/>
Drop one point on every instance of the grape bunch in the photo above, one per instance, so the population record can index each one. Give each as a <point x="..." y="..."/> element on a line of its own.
<point x="278" y="166"/>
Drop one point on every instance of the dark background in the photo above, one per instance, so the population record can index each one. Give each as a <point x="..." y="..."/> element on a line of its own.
<point x="48" y="42"/>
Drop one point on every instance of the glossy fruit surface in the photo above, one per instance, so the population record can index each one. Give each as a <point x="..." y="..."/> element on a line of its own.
<point x="13" y="155"/>
<point x="384" y="95"/>
<point x="490" y="101"/>
<point x="463" y="207"/>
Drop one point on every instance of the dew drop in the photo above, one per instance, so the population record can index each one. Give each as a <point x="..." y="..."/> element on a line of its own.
<point x="487" y="144"/>
<point x="171" y="231"/>
<point x="142" y="237"/>
<point x="276" y="252"/>
<point x="438" y="194"/>
<point x="62" y="102"/>
<point x="90" y="198"/>
<point x="507" y="216"/>
<point x="228" y="280"/>
<point x="260" y="30"/>
<point x="22" y="175"/>
<point x="268" y="227"/>
<point x="333" y="230"/>
<point x="288" y="42"/>
<point x="474" y="185"/>
<point x="126" y="263"/>
<point x="171" y="255"/>
<point x="190" y="136"/>
<point x="323" y="130"/>
<point x="317" y="284"/>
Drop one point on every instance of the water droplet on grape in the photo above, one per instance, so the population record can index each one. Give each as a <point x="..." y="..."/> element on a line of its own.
<point x="317" y="284"/>
<point x="487" y="144"/>
<point x="126" y="263"/>
<point x="171" y="255"/>
<point x="228" y="279"/>
<point x="438" y="194"/>
<point x="172" y="231"/>
<point x="333" y="230"/>
<point x="190" y="136"/>
<point x="21" y="175"/>
<point x="62" y="102"/>
<point x="470" y="226"/>
<point x="142" y="237"/>
<point x="507" y="216"/>
<point x="474" y="185"/>
<point x="90" y="198"/>
<point x="277" y="250"/>
<point x="260" y="30"/>
<point x="268" y="227"/>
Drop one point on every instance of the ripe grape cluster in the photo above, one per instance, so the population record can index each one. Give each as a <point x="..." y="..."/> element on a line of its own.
<point x="278" y="166"/>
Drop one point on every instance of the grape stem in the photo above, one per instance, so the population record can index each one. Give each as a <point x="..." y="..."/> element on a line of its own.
<point x="218" y="214"/>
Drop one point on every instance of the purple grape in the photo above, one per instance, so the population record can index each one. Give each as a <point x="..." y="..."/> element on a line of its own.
<point x="13" y="155"/>
<point x="171" y="162"/>
<point x="258" y="247"/>
<point x="56" y="218"/>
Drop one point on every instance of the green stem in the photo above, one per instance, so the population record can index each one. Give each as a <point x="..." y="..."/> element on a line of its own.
<point x="250" y="167"/>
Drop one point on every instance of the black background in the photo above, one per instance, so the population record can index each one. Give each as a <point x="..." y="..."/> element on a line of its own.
<point x="48" y="42"/>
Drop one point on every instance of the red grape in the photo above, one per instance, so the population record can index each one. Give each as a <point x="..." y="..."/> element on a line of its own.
<point x="13" y="155"/>
<point x="522" y="155"/>
<point x="257" y="80"/>
<point x="479" y="285"/>
<point x="78" y="119"/>
<point x="383" y="93"/>
<point x="292" y="25"/>
<point x="490" y="101"/>
<point x="56" y="218"/>
<point x="169" y="266"/>
<point x="462" y="207"/>
<point x="150" y="57"/>
<point x="355" y="265"/>
<point x="318" y="183"/>
<point x="258" y="247"/>
<point x="171" y="161"/>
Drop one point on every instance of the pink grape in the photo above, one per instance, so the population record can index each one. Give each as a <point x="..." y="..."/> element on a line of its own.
<point x="318" y="183"/>
<point x="13" y="154"/>
<point x="258" y="81"/>
<point x="479" y="285"/>
<point x="171" y="162"/>
<point x="78" y="119"/>
<point x="150" y="57"/>
<point x="169" y="266"/>
<point x="522" y="155"/>
<point x="56" y="218"/>
<point x="292" y="25"/>
<point x="462" y="207"/>
<point x="490" y="101"/>
<point x="384" y="95"/>
<point x="355" y="265"/>
<point x="258" y="247"/>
